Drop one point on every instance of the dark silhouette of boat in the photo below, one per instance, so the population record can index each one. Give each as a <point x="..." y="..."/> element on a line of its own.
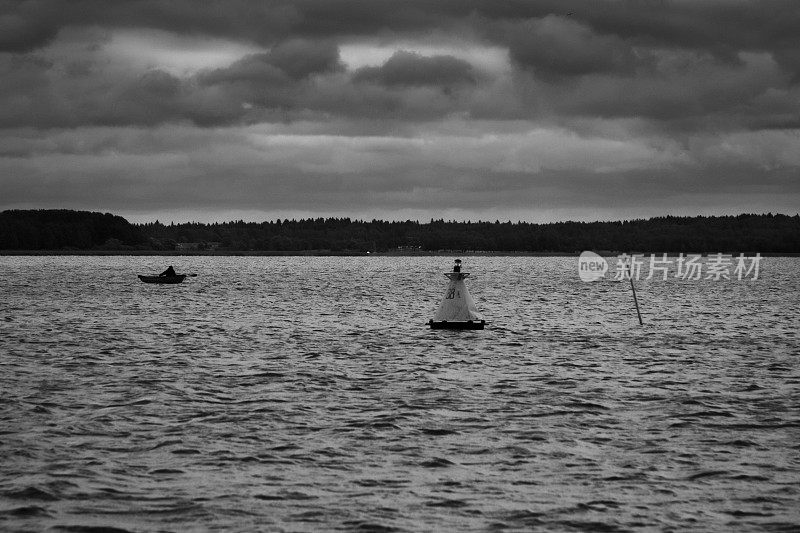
<point x="163" y="279"/>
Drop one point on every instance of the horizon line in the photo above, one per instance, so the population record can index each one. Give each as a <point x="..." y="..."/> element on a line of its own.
<point x="418" y="221"/>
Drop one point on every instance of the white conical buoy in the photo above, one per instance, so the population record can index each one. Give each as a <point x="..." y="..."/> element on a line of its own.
<point x="457" y="310"/>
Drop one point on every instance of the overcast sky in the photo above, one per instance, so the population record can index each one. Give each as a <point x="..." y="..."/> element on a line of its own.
<point x="462" y="109"/>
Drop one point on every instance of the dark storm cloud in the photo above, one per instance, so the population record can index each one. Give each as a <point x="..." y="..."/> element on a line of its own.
<point x="407" y="68"/>
<point x="301" y="58"/>
<point x="698" y="92"/>
<point x="34" y="95"/>
<point x="286" y="62"/>
<point x="26" y="25"/>
<point x="613" y="101"/>
<point x="274" y="80"/>
<point x="31" y="24"/>
<point x="299" y="79"/>
<point x="625" y="47"/>
<point x="561" y="46"/>
<point x="709" y="24"/>
<point x="253" y="69"/>
<point x="720" y="27"/>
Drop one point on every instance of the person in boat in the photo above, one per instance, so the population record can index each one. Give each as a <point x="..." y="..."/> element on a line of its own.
<point x="168" y="272"/>
<point x="457" y="266"/>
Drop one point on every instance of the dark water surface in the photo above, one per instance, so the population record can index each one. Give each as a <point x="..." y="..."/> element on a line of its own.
<point x="306" y="394"/>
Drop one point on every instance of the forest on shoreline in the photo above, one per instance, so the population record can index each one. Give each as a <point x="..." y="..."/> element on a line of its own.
<point x="68" y="231"/>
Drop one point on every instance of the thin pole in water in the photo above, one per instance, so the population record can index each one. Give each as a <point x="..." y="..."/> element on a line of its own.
<point x="635" y="300"/>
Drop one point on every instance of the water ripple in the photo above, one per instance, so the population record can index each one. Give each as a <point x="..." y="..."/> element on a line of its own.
<point x="305" y="394"/>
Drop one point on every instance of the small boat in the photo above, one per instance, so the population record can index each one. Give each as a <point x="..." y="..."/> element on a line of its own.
<point x="163" y="279"/>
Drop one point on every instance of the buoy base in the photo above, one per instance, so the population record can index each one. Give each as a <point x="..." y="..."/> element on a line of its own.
<point x="469" y="324"/>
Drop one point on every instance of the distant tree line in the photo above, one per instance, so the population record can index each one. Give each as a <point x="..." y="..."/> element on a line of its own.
<point x="63" y="229"/>
<point x="78" y="230"/>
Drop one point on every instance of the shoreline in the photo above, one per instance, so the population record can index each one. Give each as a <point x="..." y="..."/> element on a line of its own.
<point x="266" y="253"/>
<point x="328" y="253"/>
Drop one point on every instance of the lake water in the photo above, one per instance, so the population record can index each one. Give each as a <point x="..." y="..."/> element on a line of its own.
<point x="307" y="394"/>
